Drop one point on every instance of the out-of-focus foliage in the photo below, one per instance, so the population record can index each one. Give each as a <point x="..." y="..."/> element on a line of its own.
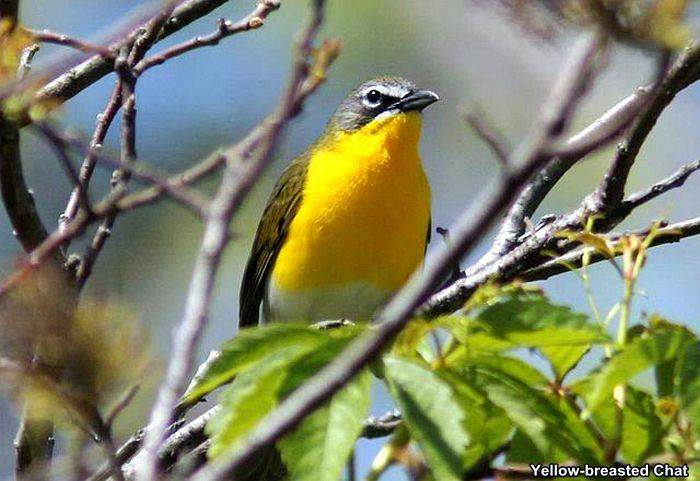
<point x="72" y="361"/>
<point x="644" y="23"/>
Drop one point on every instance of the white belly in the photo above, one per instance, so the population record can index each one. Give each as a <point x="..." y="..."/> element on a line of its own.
<point x="357" y="302"/>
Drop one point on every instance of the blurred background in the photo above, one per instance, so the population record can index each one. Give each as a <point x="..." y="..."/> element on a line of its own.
<point x="467" y="52"/>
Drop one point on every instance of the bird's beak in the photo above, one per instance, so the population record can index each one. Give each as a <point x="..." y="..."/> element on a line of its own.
<point x="417" y="100"/>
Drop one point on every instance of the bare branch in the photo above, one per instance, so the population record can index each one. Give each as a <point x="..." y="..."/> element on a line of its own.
<point x="104" y="120"/>
<point x="47" y="36"/>
<point x="78" y="78"/>
<point x="491" y="137"/>
<point x="190" y="199"/>
<point x="61" y="148"/>
<point x="226" y="28"/>
<point x="675" y="180"/>
<point x="612" y="189"/>
<point x="665" y="235"/>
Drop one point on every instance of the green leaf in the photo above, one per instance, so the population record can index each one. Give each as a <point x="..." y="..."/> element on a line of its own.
<point x="526" y="320"/>
<point x="252" y="346"/>
<point x="319" y="448"/>
<point x="689" y="383"/>
<point x="640" y="354"/>
<point x="487" y="425"/>
<point x="551" y="424"/>
<point x="642" y="429"/>
<point x="563" y="359"/>
<point x="533" y="321"/>
<point x="251" y="396"/>
<point x="255" y="392"/>
<point x="433" y="416"/>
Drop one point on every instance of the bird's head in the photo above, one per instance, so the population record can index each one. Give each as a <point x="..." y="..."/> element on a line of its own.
<point x="379" y="100"/>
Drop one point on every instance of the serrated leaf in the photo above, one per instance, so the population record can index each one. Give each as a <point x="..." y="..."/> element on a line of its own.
<point x="254" y="393"/>
<point x="249" y="399"/>
<point x="487" y="426"/>
<point x="563" y="359"/>
<point x="636" y="357"/>
<point x="551" y="427"/>
<point x="319" y="448"/>
<point x="526" y="320"/>
<point x="252" y="346"/>
<point x="433" y="416"/>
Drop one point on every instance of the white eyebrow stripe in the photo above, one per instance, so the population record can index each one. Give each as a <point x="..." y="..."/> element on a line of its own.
<point x="396" y="91"/>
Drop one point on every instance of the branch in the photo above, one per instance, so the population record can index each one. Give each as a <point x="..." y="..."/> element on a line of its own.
<point x="489" y="135"/>
<point x="190" y="199"/>
<point x="471" y="226"/>
<point x="104" y="121"/>
<point x="612" y="189"/>
<point x="47" y="36"/>
<point x="244" y="163"/>
<point x="574" y="259"/>
<point x="78" y="78"/>
<point x="527" y="250"/>
<point x="675" y="180"/>
<point x="226" y="28"/>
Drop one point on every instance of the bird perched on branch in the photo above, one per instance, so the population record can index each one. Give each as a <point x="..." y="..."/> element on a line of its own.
<point x="349" y="220"/>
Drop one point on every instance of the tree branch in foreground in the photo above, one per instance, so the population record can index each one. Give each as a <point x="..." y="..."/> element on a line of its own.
<point x="244" y="164"/>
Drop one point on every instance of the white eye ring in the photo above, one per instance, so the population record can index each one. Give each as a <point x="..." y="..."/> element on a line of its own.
<point x="372" y="98"/>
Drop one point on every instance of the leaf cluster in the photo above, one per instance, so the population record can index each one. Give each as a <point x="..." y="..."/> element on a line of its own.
<point x="468" y="391"/>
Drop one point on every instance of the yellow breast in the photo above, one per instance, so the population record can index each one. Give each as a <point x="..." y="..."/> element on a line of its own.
<point x="364" y="214"/>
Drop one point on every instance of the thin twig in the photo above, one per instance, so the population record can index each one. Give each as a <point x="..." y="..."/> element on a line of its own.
<point x="226" y="28"/>
<point x="77" y="78"/>
<point x="60" y="146"/>
<point x="673" y="181"/>
<point x="104" y="121"/>
<point x="47" y="36"/>
<point x="491" y="137"/>
<point x="188" y="198"/>
<point x="664" y="235"/>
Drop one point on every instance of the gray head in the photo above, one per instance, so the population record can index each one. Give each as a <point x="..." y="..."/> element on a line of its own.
<point x="378" y="98"/>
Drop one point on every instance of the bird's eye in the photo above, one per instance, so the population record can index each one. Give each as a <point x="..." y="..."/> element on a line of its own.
<point x="373" y="97"/>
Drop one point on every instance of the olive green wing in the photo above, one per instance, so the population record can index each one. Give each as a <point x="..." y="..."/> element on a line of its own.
<point x="272" y="230"/>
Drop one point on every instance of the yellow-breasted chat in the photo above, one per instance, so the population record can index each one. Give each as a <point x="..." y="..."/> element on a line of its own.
<point x="348" y="221"/>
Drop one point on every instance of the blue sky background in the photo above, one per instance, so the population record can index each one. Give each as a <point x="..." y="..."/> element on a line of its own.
<point x="210" y="98"/>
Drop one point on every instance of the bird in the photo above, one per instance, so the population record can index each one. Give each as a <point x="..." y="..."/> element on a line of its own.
<point x="348" y="221"/>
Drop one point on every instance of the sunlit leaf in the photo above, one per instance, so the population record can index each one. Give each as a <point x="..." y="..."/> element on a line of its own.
<point x="433" y="416"/>
<point x="319" y="448"/>
<point x="252" y="346"/>
<point x="255" y="392"/>
<point x="636" y="357"/>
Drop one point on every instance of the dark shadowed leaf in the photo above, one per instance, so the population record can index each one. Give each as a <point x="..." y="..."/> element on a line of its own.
<point x="549" y="423"/>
